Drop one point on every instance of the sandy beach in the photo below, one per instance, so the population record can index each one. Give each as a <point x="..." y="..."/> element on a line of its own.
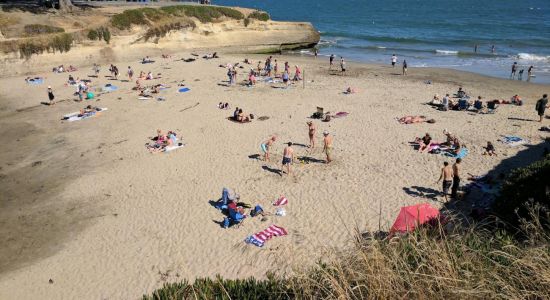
<point x="88" y="213"/>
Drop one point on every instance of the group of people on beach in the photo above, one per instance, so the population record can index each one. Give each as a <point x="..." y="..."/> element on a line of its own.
<point x="519" y="73"/>
<point x="269" y="70"/>
<point x="161" y="141"/>
<point x="288" y="152"/>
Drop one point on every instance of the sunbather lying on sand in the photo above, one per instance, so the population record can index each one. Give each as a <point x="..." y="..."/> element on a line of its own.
<point x="162" y="141"/>
<point x="89" y="109"/>
<point x="414" y="119"/>
<point x="350" y="90"/>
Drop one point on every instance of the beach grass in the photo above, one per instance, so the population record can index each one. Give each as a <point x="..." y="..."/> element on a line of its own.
<point x="38" y="29"/>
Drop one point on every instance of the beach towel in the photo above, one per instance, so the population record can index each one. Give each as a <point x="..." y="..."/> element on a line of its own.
<point x="341" y="114"/>
<point x="461" y="154"/>
<point x="37" y="80"/>
<point x="281" y="201"/>
<point x="109" y="88"/>
<point x="76" y="116"/>
<point x="261" y="237"/>
<point x="171" y="148"/>
<point x="184" y="89"/>
<point x="513" y="140"/>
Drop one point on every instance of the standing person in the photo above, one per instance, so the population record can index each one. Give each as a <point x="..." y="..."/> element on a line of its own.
<point x="541" y="106"/>
<point x="115" y="71"/>
<point x="315" y="52"/>
<point x="404" y="67"/>
<point x="447" y="176"/>
<point x="514" y="69"/>
<point x="311" y="132"/>
<point x="475" y="48"/>
<point x="393" y="60"/>
<point x="234" y="74"/>
<point x="50" y="95"/>
<point x="493" y="49"/>
<point x="230" y="75"/>
<point x="96" y="69"/>
<point x="529" y="73"/>
<point x="288" y="157"/>
<point x="327" y="145"/>
<point x="457" y="169"/>
<point x="287" y="67"/>
<point x="275" y="69"/>
<point x="342" y="65"/>
<point x="331" y="61"/>
<point x="130" y="73"/>
<point x="265" y="146"/>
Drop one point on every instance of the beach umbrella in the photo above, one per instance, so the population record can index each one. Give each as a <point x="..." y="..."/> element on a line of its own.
<point x="411" y="217"/>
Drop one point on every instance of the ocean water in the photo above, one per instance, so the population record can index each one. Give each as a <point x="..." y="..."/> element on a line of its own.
<point x="427" y="33"/>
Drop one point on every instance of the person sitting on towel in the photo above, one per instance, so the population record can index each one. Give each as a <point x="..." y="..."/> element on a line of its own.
<point x="241" y="117"/>
<point x="149" y="76"/>
<point x="233" y="206"/>
<point x="424" y="143"/>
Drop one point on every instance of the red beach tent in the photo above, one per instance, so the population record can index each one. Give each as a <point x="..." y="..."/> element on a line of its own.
<point x="412" y="216"/>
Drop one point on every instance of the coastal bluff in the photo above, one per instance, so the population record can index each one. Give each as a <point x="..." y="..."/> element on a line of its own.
<point x="161" y="31"/>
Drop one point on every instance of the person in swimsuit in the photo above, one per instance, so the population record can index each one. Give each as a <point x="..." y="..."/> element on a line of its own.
<point x="288" y="157"/>
<point x="285" y="77"/>
<point x="447" y="176"/>
<point x="425" y="143"/>
<point x="393" y="60"/>
<point x="265" y="146"/>
<point x="404" y="67"/>
<point x="275" y="69"/>
<point x="311" y="133"/>
<point x="342" y="66"/>
<point x="331" y="61"/>
<point x="456" y="177"/>
<point x="541" y="106"/>
<point x="490" y="149"/>
<point x="327" y="148"/>
<point x="514" y="70"/>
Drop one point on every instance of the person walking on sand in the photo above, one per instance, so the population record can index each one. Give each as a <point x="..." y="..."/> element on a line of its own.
<point x="265" y="146"/>
<point x="541" y="106"/>
<point x="130" y="73"/>
<point x="457" y="169"/>
<point x="447" y="176"/>
<point x="96" y="69"/>
<point x="311" y="133"/>
<point x="331" y="61"/>
<point x="393" y="60"/>
<point x="51" y="96"/>
<point x="404" y="67"/>
<point x="343" y="65"/>
<point x="315" y="52"/>
<point x="288" y="158"/>
<point x="327" y="145"/>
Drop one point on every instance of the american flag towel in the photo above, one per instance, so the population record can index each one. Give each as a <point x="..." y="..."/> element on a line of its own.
<point x="261" y="237"/>
<point x="281" y="201"/>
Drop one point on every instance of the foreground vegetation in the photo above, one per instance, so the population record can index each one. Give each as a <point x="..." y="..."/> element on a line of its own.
<point x="454" y="261"/>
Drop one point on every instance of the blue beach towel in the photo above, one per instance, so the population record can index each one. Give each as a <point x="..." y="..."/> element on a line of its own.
<point x="183" y="90"/>
<point x="511" y="140"/>
<point x="35" y="81"/>
<point x="461" y="154"/>
<point x="109" y="88"/>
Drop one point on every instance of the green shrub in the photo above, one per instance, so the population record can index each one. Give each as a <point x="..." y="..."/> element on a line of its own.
<point x="62" y="43"/>
<point x="93" y="35"/>
<point x="106" y="35"/>
<point x="161" y="31"/>
<point x="523" y="185"/>
<point x="128" y="18"/>
<point x="37" y="29"/>
<point x="259" y="15"/>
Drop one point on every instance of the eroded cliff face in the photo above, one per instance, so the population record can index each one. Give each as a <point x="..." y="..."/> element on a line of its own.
<point x="225" y="36"/>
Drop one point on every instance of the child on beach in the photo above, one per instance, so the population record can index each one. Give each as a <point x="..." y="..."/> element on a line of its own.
<point x="265" y="146"/>
<point x="50" y="95"/>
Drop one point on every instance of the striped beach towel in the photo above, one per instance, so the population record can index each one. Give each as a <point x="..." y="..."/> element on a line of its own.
<point x="281" y="201"/>
<point x="261" y="237"/>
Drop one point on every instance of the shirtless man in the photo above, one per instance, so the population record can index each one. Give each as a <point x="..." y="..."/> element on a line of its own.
<point x="447" y="176"/>
<point x="265" y="146"/>
<point x="311" y="132"/>
<point x="327" y="148"/>
<point x="288" y="158"/>
<point x="456" y="177"/>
